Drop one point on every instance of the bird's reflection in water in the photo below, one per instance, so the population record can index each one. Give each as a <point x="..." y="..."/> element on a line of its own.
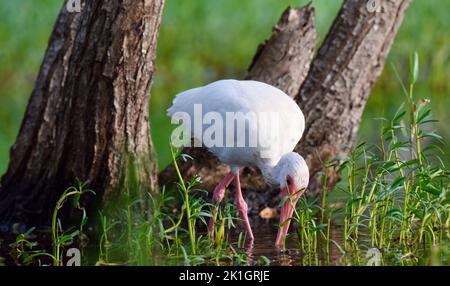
<point x="276" y="256"/>
<point x="264" y="245"/>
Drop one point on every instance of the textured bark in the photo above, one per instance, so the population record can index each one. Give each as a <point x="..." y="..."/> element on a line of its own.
<point x="87" y="117"/>
<point x="341" y="77"/>
<point x="282" y="61"/>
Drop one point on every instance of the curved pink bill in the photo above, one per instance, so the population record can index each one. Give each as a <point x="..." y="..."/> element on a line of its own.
<point x="287" y="212"/>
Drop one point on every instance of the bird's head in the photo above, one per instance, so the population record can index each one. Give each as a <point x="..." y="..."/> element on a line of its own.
<point x="293" y="178"/>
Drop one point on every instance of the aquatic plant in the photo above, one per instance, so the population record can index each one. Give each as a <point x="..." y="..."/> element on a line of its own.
<point x="25" y="249"/>
<point x="398" y="191"/>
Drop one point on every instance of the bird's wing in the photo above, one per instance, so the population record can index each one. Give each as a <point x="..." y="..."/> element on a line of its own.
<point x="220" y="96"/>
<point x="243" y="96"/>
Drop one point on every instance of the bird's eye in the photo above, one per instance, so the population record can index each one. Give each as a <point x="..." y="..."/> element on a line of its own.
<point x="288" y="181"/>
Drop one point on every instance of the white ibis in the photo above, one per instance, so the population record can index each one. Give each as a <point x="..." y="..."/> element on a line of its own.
<point x="273" y="154"/>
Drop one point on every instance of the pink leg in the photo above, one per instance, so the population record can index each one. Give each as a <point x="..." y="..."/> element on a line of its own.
<point x="242" y="208"/>
<point x="218" y="195"/>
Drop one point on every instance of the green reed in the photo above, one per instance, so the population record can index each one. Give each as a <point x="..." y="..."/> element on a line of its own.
<point x="25" y="249"/>
<point x="398" y="190"/>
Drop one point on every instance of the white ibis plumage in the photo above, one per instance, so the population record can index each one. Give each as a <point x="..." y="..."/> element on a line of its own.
<point x="274" y="155"/>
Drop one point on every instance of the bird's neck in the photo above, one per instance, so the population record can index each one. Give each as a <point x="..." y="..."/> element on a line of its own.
<point x="271" y="173"/>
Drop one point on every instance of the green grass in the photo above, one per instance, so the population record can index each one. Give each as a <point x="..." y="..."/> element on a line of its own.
<point x="397" y="192"/>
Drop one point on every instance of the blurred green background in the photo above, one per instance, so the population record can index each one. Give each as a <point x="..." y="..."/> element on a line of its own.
<point x="204" y="40"/>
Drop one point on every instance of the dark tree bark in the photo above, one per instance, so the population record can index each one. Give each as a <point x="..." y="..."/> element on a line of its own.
<point x="87" y="117"/>
<point x="334" y="93"/>
<point x="282" y="61"/>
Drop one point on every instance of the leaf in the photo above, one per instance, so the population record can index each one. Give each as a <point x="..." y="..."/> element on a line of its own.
<point x="187" y="261"/>
<point x="418" y="213"/>
<point x="205" y="214"/>
<point x="197" y="260"/>
<point x="429" y="121"/>
<point x="84" y="219"/>
<point x="220" y="234"/>
<point x="423" y="115"/>
<point x="395" y="212"/>
<point x="398" y="116"/>
<point x="397" y="181"/>
<point x="321" y="226"/>
<point x="397" y="75"/>
<point x="432" y="147"/>
<point x="283" y="200"/>
<point x="432" y="135"/>
<point x="429" y="188"/>
<point x="263" y="260"/>
<point x="414" y="66"/>
<point x="89" y="191"/>
<point x="76" y="200"/>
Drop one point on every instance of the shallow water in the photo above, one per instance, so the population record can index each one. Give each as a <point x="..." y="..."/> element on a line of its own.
<point x="265" y="232"/>
<point x="360" y="255"/>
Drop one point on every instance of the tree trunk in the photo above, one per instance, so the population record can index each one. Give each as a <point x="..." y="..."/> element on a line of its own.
<point x="334" y="94"/>
<point x="282" y="61"/>
<point x="87" y="117"/>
